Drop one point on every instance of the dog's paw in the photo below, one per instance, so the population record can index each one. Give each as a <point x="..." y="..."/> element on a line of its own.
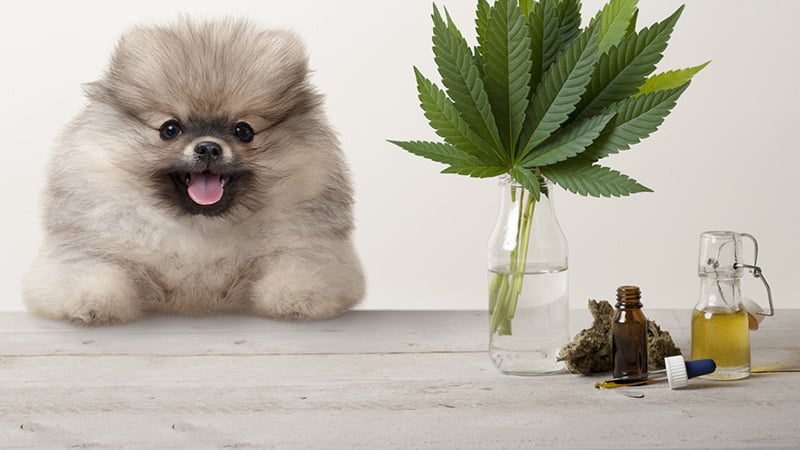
<point x="309" y="286"/>
<point x="86" y="293"/>
<point x="95" y="315"/>
<point x="291" y="305"/>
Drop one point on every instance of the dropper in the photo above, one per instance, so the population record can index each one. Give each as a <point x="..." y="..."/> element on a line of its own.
<point x="677" y="373"/>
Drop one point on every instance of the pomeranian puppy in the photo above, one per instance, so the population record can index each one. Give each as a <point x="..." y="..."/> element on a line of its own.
<point x="202" y="177"/>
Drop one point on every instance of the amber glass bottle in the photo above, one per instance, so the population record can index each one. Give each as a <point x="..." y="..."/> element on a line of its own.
<point x="629" y="335"/>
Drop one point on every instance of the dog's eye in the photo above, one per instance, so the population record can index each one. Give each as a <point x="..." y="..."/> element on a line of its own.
<point x="243" y="132"/>
<point x="170" y="130"/>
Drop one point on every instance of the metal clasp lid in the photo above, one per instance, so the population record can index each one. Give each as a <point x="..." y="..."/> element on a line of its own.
<point x="757" y="273"/>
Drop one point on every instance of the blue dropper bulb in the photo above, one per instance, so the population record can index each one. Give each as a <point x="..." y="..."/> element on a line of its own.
<point x="700" y="367"/>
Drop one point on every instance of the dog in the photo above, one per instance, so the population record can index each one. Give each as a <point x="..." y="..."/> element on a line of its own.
<point x="202" y="177"/>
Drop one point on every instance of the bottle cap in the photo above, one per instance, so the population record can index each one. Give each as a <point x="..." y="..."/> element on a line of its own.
<point x="679" y="371"/>
<point x="676" y="372"/>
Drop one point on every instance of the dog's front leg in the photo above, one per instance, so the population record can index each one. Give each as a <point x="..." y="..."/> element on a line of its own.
<point x="87" y="292"/>
<point x="311" y="283"/>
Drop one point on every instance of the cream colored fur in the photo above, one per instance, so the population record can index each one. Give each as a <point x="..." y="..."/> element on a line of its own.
<point x="116" y="247"/>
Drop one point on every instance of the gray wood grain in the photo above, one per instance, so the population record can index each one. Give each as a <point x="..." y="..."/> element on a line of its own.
<point x="364" y="380"/>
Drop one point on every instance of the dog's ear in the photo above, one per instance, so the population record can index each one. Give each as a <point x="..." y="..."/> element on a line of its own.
<point x="287" y="53"/>
<point x="93" y="91"/>
<point x="134" y="63"/>
<point x="96" y="91"/>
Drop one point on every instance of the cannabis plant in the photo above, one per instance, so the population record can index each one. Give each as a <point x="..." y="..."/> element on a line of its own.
<point x="541" y="97"/>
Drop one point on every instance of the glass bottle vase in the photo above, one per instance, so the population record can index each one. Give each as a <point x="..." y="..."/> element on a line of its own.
<point x="528" y="283"/>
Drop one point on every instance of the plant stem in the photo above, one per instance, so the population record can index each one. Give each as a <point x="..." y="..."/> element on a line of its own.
<point x="505" y="288"/>
<point x="523" y="239"/>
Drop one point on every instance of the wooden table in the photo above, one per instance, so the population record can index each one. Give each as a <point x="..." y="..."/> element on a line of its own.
<point x="365" y="380"/>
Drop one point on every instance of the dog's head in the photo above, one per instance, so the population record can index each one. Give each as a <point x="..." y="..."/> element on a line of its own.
<point x="209" y="112"/>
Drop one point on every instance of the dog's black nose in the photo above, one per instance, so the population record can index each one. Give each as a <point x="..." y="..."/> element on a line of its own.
<point x="208" y="151"/>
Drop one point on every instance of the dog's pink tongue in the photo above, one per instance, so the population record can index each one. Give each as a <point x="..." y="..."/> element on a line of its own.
<point x="205" y="188"/>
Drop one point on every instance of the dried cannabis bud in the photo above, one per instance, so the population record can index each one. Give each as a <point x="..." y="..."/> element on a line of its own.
<point x="659" y="345"/>
<point x="590" y="350"/>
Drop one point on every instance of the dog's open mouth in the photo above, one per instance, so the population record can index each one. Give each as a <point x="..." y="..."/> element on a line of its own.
<point x="207" y="193"/>
<point x="206" y="188"/>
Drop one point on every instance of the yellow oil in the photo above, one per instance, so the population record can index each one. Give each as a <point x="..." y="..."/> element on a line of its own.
<point x="610" y="384"/>
<point x="725" y="338"/>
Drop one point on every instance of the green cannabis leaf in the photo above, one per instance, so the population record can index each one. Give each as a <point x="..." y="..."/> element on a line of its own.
<point x="541" y="98"/>
<point x="561" y="88"/>
<point x="615" y="20"/>
<point x="671" y="79"/>
<point x="540" y="94"/>
<point x="621" y="71"/>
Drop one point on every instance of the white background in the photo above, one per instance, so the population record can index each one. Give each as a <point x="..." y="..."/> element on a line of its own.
<point x="727" y="158"/>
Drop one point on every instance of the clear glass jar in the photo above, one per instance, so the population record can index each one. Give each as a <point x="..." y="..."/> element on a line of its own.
<point x="528" y="283"/>
<point x="719" y="321"/>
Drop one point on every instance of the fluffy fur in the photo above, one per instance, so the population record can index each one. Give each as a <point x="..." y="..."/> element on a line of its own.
<point x="124" y="239"/>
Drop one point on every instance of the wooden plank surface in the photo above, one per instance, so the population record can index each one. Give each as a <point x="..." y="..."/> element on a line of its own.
<point x="364" y="380"/>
